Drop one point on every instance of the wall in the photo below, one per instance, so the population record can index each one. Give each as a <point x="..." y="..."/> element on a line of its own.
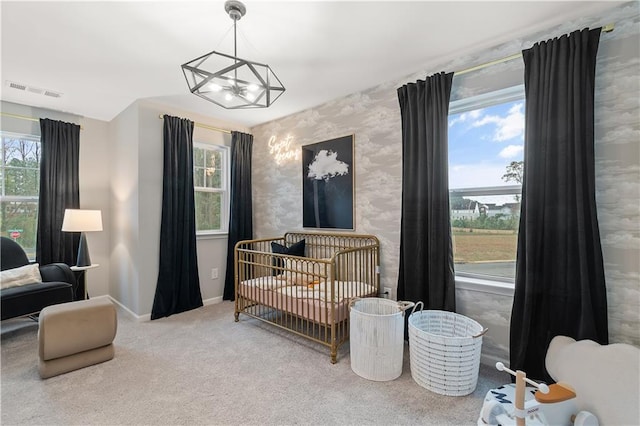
<point x="137" y="191"/>
<point x="93" y="173"/>
<point x="124" y="250"/>
<point x="373" y="116"/>
<point x="121" y="174"/>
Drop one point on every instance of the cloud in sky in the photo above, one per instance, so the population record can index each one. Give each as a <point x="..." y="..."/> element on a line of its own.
<point x="326" y="165"/>
<point x="508" y="127"/>
<point x="465" y="117"/>
<point x="511" y="151"/>
<point x="475" y="175"/>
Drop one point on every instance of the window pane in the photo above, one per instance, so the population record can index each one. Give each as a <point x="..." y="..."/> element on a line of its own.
<point x="208" y="210"/>
<point x="213" y="172"/>
<point x="198" y="176"/>
<point x="21" y="181"/>
<point x="25" y="151"/>
<point x="211" y="187"/>
<point x="20" y="166"/>
<point x="18" y="220"/>
<point x="485" y="235"/>
<point x="198" y="157"/>
<point x="486" y="151"/>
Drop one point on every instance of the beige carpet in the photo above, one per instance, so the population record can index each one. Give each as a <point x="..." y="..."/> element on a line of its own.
<point x="200" y="367"/>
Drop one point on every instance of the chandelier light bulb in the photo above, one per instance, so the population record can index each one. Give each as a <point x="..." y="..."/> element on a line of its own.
<point x="228" y="97"/>
<point x="215" y="87"/>
<point x="253" y="87"/>
<point x="251" y="97"/>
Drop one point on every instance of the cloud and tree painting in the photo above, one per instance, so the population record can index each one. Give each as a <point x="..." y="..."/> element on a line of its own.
<point x="327" y="188"/>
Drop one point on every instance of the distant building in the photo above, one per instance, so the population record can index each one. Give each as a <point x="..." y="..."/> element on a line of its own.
<point x="476" y="209"/>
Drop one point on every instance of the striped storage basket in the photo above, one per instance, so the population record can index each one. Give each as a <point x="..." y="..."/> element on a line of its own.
<point x="444" y="350"/>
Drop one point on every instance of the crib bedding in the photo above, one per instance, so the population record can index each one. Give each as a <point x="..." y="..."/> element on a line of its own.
<point x="268" y="282"/>
<point x="341" y="290"/>
<point x="307" y="301"/>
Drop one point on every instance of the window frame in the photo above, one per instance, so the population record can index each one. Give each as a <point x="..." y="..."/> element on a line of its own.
<point x="510" y="94"/>
<point x="19" y="198"/>
<point x="224" y="189"/>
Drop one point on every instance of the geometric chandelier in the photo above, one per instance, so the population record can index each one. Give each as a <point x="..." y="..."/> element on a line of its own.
<point x="229" y="81"/>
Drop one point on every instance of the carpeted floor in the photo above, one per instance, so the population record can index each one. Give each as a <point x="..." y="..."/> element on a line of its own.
<point x="200" y="367"/>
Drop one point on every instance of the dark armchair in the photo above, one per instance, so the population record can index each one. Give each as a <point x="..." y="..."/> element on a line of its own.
<point x="57" y="286"/>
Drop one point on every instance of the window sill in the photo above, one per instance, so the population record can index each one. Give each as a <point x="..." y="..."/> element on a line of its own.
<point x="212" y="236"/>
<point x="484" y="286"/>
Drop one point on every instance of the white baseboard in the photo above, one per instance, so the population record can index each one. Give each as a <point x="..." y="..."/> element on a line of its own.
<point x="147" y="317"/>
<point x="138" y="318"/>
<point x="212" y="301"/>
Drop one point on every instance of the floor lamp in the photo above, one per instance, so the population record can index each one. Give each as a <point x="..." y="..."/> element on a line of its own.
<point x="76" y="220"/>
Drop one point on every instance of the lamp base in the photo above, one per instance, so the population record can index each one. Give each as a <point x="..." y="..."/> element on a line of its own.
<point x="83" y="252"/>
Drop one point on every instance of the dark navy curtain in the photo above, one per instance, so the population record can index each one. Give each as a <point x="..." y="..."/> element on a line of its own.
<point x="59" y="190"/>
<point x="241" y="213"/>
<point x="560" y="284"/>
<point x="178" y="285"/>
<point x="426" y="255"/>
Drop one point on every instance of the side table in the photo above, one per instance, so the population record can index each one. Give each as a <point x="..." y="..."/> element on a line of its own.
<point x="80" y="272"/>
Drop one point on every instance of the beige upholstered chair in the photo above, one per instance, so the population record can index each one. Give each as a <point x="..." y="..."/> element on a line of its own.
<point x="75" y="335"/>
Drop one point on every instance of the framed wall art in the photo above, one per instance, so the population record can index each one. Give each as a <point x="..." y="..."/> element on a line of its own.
<point x="328" y="184"/>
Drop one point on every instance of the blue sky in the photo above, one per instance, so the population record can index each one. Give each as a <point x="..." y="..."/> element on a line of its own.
<point x="483" y="142"/>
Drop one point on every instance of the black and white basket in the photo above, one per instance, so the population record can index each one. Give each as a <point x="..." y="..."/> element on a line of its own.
<point x="444" y="350"/>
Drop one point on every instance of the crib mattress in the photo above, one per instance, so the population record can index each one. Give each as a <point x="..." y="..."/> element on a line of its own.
<point x="312" y="302"/>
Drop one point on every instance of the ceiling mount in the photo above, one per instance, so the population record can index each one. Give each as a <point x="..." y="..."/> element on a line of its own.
<point x="236" y="9"/>
<point x="234" y="83"/>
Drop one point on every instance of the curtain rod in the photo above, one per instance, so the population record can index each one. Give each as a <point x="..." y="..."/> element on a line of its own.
<point x="605" y="29"/>
<point x="24" y="117"/>
<point x="204" y="126"/>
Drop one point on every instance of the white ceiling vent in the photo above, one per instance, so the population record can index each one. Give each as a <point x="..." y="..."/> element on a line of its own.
<point x="32" y="89"/>
<point x="16" y="85"/>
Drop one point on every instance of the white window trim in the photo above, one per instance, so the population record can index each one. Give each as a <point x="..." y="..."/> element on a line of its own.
<point x="226" y="184"/>
<point x="484" y="285"/>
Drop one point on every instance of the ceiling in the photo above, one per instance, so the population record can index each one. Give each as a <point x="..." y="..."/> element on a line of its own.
<point x="102" y="56"/>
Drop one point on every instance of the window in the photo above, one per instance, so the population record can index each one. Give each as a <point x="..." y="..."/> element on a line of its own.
<point x="20" y="180"/>
<point x="486" y="158"/>
<point x="211" y="186"/>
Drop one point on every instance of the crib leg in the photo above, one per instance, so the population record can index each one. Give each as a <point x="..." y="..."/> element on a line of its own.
<point x="237" y="315"/>
<point x="334" y="355"/>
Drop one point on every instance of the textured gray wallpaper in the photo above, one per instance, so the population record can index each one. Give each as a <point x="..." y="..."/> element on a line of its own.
<point x="373" y="116"/>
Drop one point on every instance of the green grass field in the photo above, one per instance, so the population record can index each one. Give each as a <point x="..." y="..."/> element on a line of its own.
<point x="481" y="245"/>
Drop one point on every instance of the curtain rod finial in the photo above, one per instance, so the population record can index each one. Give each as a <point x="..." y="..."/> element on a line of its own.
<point x="608" y="28"/>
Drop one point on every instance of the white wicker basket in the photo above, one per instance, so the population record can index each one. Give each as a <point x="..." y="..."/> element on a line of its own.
<point x="377" y="337"/>
<point x="444" y="351"/>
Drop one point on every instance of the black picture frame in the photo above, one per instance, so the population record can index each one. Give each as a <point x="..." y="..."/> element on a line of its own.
<point x="328" y="184"/>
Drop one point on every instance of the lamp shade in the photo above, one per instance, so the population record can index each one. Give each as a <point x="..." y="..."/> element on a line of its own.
<point x="76" y="220"/>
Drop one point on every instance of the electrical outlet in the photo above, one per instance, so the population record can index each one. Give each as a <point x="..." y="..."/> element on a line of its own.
<point x="214" y="273"/>
<point x="387" y="292"/>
